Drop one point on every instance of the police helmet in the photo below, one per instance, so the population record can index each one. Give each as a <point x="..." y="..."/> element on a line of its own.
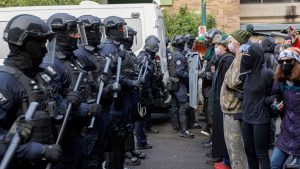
<point x="114" y="23"/>
<point x="214" y="35"/>
<point x="90" y="21"/>
<point x="22" y="27"/>
<point x="152" y="44"/>
<point x="128" y="42"/>
<point x="189" y="38"/>
<point x="178" y="40"/>
<point x="62" y="21"/>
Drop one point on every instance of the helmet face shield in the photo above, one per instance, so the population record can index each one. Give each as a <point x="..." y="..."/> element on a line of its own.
<point x="51" y="50"/>
<point x="82" y="33"/>
<point x="124" y="30"/>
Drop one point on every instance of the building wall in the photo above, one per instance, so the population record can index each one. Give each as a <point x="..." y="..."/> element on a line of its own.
<point x="227" y="13"/>
<point x="194" y="5"/>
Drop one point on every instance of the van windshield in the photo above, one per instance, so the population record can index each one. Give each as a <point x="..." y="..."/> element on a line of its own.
<point x="136" y="24"/>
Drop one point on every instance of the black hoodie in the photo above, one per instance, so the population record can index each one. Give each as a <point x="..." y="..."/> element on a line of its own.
<point x="268" y="45"/>
<point x="257" y="90"/>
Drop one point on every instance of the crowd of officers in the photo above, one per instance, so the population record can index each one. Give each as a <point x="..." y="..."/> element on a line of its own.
<point x="92" y="92"/>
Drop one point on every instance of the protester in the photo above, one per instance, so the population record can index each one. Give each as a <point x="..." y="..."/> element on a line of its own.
<point x="287" y="87"/>
<point x="221" y="64"/>
<point x="230" y="103"/>
<point x="257" y="99"/>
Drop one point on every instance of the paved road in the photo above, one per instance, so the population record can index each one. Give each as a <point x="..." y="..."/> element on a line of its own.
<point x="173" y="152"/>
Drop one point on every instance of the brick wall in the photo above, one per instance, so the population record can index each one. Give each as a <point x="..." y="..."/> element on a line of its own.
<point x="227" y="13"/>
<point x="191" y="4"/>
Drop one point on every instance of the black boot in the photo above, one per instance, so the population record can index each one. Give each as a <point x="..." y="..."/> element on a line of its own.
<point x="293" y="164"/>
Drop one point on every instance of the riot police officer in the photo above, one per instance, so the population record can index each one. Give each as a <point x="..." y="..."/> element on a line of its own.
<point x="146" y="62"/>
<point x="180" y="102"/>
<point x="68" y="66"/>
<point x="21" y="84"/>
<point x="121" y="84"/>
<point x="131" y="70"/>
<point x="189" y="43"/>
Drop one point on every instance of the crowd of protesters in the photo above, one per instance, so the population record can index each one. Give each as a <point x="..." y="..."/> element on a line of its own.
<point x="247" y="86"/>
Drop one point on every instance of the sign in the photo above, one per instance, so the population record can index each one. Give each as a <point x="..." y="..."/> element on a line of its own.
<point x="201" y="30"/>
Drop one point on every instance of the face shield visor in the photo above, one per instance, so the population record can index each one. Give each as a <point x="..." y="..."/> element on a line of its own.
<point x="51" y="43"/>
<point x="82" y="33"/>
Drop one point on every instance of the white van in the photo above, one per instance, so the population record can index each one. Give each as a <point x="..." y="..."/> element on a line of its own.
<point x="145" y="18"/>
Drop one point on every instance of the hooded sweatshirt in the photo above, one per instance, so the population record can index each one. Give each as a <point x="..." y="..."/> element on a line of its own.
<point x="268" y="45"/>
<point x="257" y="89"/>
<point x="232" y="85"/>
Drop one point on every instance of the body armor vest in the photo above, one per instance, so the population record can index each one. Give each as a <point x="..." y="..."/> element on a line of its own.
<point x="36" y="91"/>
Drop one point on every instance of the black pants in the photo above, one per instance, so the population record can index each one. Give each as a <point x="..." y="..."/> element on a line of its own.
<point x="256" y="141"/>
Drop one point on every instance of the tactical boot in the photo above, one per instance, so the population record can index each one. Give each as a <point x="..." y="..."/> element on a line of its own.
<point x="144" y="146"/>
<point x="152" y="131"/>
<point x="186" y="134"/>
<point x="131" y="160"/>
<point x="138" y="154"/>
<point x="293" y="164"/>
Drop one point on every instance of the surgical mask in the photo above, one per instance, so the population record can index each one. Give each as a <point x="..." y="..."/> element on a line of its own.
<point x="287" y="68"/>
<point x="219" y="52"/>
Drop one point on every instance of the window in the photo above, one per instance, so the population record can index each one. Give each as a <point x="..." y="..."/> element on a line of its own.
<point x="136" y="24"/>
<point x="267" y="1"/>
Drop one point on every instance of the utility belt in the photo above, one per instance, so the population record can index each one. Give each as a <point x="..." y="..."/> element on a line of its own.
<point x="172" y="84"/>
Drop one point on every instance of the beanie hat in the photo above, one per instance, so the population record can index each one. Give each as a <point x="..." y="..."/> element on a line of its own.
<point x="224" y="40"/>
<point x="293" y="53"/>
<point x="241" y="36"/>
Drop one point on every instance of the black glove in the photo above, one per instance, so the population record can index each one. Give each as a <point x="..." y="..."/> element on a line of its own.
<point x="75" y="98"/>
<point x="122" y="54"/>
<point x="52" y="152"/>
<point x="95" y="109"/>
<point x="24" y="128"/>
<point x="116" y="87"/>
<point x="104" y="77"/>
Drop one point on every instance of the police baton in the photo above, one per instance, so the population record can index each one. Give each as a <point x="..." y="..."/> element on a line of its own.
<point x="16" y="141"/>
<point x="100" y="90"/>
<point x="116" y="83"/>
<point x="68" y="112"/>
<point x="141" y="69"/>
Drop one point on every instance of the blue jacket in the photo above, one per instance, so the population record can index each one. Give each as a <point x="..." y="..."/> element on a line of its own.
<point x="11" y="98"/>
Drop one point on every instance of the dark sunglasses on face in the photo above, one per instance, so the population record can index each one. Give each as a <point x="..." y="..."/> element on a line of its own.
<point x="287" y="61"/>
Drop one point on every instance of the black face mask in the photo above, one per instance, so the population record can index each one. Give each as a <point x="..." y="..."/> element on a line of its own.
<point x="287" y="68"/>
<point x="94" y="37"/>
<point x="36" y="50"/>
<point x="67" y="43"/>
<point x="247" y="63"/>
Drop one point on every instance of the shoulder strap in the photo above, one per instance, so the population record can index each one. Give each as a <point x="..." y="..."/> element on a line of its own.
<point x="23" y="80"/>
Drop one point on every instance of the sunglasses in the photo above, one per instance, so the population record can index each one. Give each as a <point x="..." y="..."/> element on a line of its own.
<point x="287" y="61"/>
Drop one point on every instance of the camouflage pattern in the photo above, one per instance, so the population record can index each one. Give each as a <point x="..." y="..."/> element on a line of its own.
<point x="229" y="102"/>
<point x="234" y="142"/>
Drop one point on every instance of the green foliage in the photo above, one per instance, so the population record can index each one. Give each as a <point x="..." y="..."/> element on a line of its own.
<point x="10" y="3"/>
<point x="185" y="21"/>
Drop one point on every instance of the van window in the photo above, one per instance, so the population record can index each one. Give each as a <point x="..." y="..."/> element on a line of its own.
<point x="3" y="45"/>
<point x="136" y="24"/>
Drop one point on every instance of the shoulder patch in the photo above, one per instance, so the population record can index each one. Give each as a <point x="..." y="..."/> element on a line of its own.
<point x="2" y="98"/>
<point x="178" y="62"/>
